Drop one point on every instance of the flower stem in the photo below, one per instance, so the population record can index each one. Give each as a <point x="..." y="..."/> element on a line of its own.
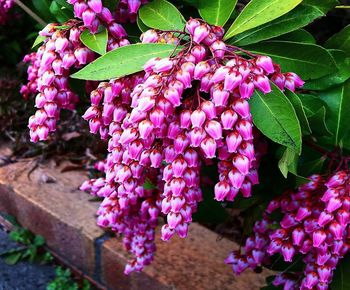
<point x="30" y="12"/>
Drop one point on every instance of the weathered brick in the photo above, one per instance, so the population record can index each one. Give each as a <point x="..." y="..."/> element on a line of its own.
<point x="65" y="217"/>
<point x="57" y="210"/>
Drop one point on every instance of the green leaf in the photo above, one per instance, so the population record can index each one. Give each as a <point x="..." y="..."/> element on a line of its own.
<point x="143" y="27"/>
<point x="64" y="4"/>
<point x="295" y="19"/>
<point x="343" y="73"/>
<point x="340" y="40"/>
<point x="38" y="41"/>
<point x="312" y="167"/>
<point x="288" y="162"/>
<point x="338" y="116"/>
<point x="42" y="7"/>
<point x="123" y="61"/>
<point x="300" y="35"/>
<point x="299" y="109"/>
<point x="309" y="61"/>
<point x="96" y="42"/>
<point x="341" y="278"/>
<point x="318" y="122"/>
<point x="216" y="12"/>
<point x="12" y="257"/>
<point x="111" y="4"/>
<point x="311" y="104"/>
<point x="324" y="6"/>
<point x="258" y="12"/>
<point x="161" y="14"/>
<point x="275" y="117"/>
<point x="60" y="14"/>
<point x="39" y="241"/>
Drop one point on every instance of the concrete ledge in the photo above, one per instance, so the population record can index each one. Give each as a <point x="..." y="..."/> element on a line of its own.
<point x="64" y="216"/>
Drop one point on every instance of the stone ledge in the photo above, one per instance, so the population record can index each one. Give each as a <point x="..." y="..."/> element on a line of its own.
<point x="65" y="217"/>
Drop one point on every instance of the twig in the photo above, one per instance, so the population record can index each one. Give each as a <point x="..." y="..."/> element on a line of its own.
<point x="30" y="12"/>
<point x="343" y="7"/>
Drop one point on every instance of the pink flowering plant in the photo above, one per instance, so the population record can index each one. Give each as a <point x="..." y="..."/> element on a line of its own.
<point x="204" y="106"/>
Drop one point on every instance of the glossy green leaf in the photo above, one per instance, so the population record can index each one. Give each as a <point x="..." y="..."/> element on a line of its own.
<point x="258" y="12"/>
<point x="299" y="109"/>
<point x="309" y="61"/>
<point x="143" y="27"/>
<point x="338" y="116"/>
<point x="40" y="39"/>
<point x="340" y="40"/>
<point x="288" y="162"/>
<point x="295" y="19"/>
<point x="300" y="35"/>
<point x="60" y="14"/>
<point x="161" y="14"/>
<point x="43" y="8"/>
<point x="123" y="61"/>
<point x="96" y="42"/>
<point x="341" y="278"/>
<point x="340" y="76"/>
<point x="324" y="5"/>
<point x="311" y="104"/>
<point x="274" y="115"/>
<point x="318" y="122"/>
<point x="64" y="4"/>
<point x="312" y="167"/>
<point x="216" y="12"/>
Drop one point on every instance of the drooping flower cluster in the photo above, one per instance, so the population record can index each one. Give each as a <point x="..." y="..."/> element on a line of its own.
<point x="62" y="51"/>
<point x="314" y="226"/>
<point x="5" y="6"/>
<point x="93" y="14"/>
<point x="167" y="121"/>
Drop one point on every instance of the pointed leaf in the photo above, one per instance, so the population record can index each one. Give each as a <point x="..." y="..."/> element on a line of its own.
<point x="311" y="104"/>
<point x="338" y="116"/>
<point x="298" y="106"/>
<point x="143" y="27"/>
<point x="13" y="257"/>
<point x="275" y="117"/>
<point x="62" y="15"/>
<point x="309" y="61"/>
<point x="161" y="14"/>
<point x="96" y="42"/>
<point x="216" y="12"/>
<point x="297" y="18"/>
<point x="340" y="76"/>
<point x="318" y="122"/>
<point x="123" y="61"/>
<point x="312" y="167"/>
<point x="324" y="6"/>
<point x="258" y="12"/>
<point x="300" y="35"/>
<point x="40" y="39"/>
<point x="340" y="40"/>
<point x="288" y="162"/>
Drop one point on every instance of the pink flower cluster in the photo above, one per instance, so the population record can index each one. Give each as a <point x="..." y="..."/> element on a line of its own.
<point x="5" y="6"/>
<point x="167" y="121"/>
<point x="314" y="226"/>
<point x="126" y="11"/>
<point x="93" y="14"/>
<point x="62" y="50"/>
